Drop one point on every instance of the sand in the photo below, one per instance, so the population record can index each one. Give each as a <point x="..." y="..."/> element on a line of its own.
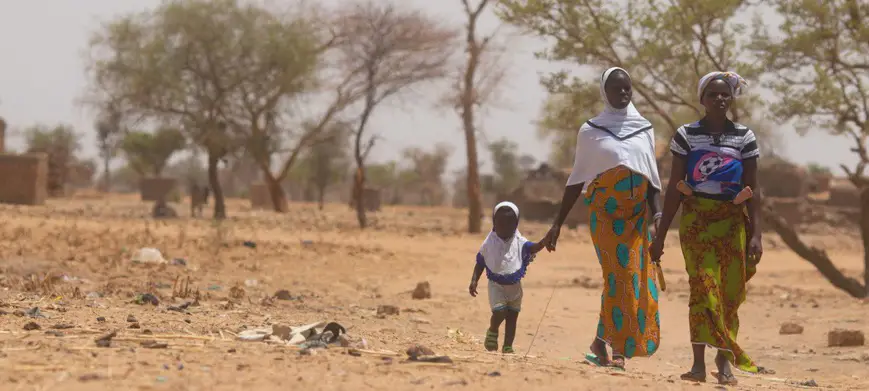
<point x="71" y="259"/>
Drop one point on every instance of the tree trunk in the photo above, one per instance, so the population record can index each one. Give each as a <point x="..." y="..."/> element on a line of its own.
<point x="864" y="228"/>
<point x="814" y="255"/>
<point x="214" y="183"/>
<point x="107" y="175"/>
<point x="359" y="193"/>
<point x="276" y="193"/>
<point x="475" y="196"/>
<point x="321" y="197"/>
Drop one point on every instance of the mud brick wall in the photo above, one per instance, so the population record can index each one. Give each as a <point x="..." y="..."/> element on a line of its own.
<point x="259" y="196"/>
<point x="155" y="188"/>
<point x="24" y="178"/>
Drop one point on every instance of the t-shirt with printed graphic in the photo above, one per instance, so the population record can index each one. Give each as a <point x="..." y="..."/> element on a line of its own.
<point x="715" y="159"/>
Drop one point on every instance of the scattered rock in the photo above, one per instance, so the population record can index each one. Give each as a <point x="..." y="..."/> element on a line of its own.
<point x="154" y="345"/>
<point x="283" y="294"/>
<point x="135" y="326"/>
<point x="791" y="328"/>
<point x="54" y="333"/>
<point x="417" y="351"/>
<point x="493" y="374"/>
<point x="586" y="282"/>
<point x="19" y="313"/>
<point x="420" y="320"/>
<point x="105" y="341"/>
<point x="89" y="377"/>
<point x="180" y="308"/>
<point x="179" y="262"/>
<point x="807" y="383"/>
<point x="384" y="310"/>
<point x="131" y="319"/>
<point x="32" y="326"/>
<point x="422" y="291"/>
<point x="101" y="319"/>
<point x="62" y="326"/>
<point x="249" y="244"/>
<point x="146" y="298"/>
<point x="354" y="352"/>
<point x="35" y="313"/>
<point x="845" y="338"/>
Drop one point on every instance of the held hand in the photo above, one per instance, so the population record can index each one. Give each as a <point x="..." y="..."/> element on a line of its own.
<point x="551" y="238"/>
<point x="656" y="250"/>
<point x="655" y="226"/>
<point x="472" y="289"/>
<point x="755" y="249"/>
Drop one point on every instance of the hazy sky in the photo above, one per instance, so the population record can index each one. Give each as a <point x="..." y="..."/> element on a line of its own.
<point x="41" y="75"/>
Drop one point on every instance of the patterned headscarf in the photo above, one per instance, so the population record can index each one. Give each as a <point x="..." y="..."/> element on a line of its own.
<point x="736" y="83"/>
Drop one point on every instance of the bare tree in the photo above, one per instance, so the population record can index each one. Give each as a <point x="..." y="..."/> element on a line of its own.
<point x="479" y="78"/>
<point x="109" y="136"/>
<point x="396" y="49"/>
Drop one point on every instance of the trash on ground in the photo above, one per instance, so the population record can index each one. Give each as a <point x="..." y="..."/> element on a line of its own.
<point x="148" y="255"/>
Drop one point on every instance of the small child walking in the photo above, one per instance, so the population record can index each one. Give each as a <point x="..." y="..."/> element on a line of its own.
<point x="505" y="255"/>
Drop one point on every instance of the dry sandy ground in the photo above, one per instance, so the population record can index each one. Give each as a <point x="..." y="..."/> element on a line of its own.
<point x="343" y="275"/>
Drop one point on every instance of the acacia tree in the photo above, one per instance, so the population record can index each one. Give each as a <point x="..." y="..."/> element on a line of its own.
<point x="327" y="162"/>
<point x="506" y="167"/>
<point x="666" y="45"/>
<point x="109" y="136"/>
<point x="189" y="63"/>
<point x="149" y="153"/>
<point x="394" y="49"/>
<point x="426" y="171"/>
<point x="478" y="79"/>
<point x="821" y="76"/>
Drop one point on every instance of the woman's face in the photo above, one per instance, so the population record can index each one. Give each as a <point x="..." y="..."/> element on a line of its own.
<point x="618" y="89"/>
<point x="717" y="97"/>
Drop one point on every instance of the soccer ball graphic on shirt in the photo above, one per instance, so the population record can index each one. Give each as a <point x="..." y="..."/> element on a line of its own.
<point x="707" y="165"/>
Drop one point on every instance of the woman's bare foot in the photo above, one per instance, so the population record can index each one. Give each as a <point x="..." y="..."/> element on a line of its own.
<point x="598" y="348"/>
<point x="618" y="362"/>
<point x="684" y="188"/>
<point x="725" y="374"/>
<point x="744" y="195"/>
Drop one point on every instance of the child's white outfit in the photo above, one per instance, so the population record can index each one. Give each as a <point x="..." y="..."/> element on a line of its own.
<point x="506" y="262"/>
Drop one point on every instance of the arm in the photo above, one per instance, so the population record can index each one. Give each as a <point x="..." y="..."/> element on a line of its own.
<point x="654" y="199"/>
<point x="568" y="199"/>
<point x="534" y="248"/>
<point x="749" y="177"/>
<point x="479" y="266"/>
<point x="672" y="198"/>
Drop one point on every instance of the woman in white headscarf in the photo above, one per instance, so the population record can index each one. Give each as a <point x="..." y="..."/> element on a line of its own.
<point x="713" y="173"/>
<point x="615" y="164"/>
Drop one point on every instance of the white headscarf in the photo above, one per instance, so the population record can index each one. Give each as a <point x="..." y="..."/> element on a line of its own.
<point x="503" y="256"/>
<point x="736" y="83"/>
<point x="620" y="122"/>
<point x="616" y="137"/>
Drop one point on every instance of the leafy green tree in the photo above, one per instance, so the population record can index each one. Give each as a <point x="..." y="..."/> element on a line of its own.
<point x="666" y="46"/>
<point x="61" y="144"/>
<point x="820" y="72"/>
<point x="109" y="136"/>
<point x="148" y="153"/>
<point x="505" y="161"/>
<point x="329" y="161"/>
<point x="216" y="68"/>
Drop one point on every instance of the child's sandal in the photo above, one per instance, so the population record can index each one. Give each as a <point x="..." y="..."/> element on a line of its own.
<point x="491" y="342"/>
<point x="507" y="350"/>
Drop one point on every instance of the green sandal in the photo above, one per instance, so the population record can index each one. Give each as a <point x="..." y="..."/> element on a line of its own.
<point x="491" y="342"/>
<point x="507" y="350"/>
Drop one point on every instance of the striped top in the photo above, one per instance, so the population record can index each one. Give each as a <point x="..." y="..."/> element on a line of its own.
<point x="715" y="160"/>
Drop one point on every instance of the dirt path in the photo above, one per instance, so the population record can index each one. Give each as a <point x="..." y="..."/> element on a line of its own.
<point x="344" y="275"/>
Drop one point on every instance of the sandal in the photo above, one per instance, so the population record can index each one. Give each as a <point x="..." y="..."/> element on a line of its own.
<point x="727" y="380"/>
<point x="507" y="350"/>
<point x="697" y="377"/>
<point x="491" y="342"/>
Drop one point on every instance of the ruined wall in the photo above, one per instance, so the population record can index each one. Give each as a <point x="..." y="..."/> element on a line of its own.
<point x="782" y="179"/>
<point x="24" y="178"/>
<point x="843" y="193"/>
<point x="155" y="188"/>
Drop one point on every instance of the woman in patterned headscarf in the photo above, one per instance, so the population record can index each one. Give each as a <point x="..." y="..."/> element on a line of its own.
<point x="713" y="173"/>
<point x="615" y="164"/>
